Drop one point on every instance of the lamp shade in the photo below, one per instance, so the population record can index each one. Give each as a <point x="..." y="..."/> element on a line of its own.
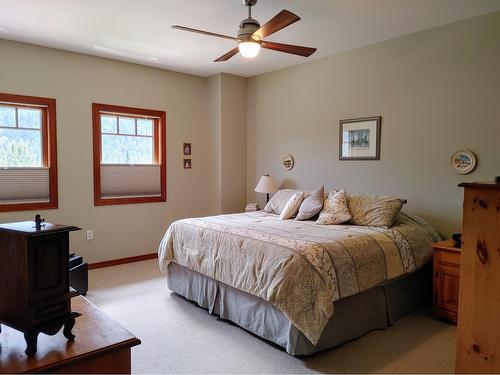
<point x="266" y="185"/>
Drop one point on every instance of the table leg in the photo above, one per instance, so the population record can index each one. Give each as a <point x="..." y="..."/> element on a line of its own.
<point x="68" y="326"/>
<point x="31" y="342"/>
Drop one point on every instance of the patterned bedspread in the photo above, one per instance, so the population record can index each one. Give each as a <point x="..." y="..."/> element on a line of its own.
<point x="297" y="266"/>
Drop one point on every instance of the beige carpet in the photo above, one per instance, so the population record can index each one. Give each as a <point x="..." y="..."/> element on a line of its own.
<point x="179" y="337"/>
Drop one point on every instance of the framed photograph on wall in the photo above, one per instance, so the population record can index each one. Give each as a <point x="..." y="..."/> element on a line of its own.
<point x="186" y="148"/>
<point x="359" y="138"/>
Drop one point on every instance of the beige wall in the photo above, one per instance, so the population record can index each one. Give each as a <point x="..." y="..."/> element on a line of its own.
<point x="76" y="81"/>
<point x="227" y="98"/>
<point x="233" y="143"/>
<point x="437" y="91"/>
<point x="215" y="115"/>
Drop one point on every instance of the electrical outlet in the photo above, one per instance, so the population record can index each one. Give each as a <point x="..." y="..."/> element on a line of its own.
<point x="90" y="235"/>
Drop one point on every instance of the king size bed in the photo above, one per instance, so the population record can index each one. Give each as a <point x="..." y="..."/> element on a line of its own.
<point x="302" y="286"/>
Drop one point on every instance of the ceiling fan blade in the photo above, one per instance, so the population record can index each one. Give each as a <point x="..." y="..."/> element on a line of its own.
<point x="288" y="48"/>
<point x="228" y="55"/>
<point x="190" y="29"/>
<point x="278" y="22"/>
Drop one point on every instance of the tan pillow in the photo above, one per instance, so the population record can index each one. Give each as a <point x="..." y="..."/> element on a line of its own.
<point x="279" y="200"/>
<point x="312" y="204"/>
<point x="335" y="210"/>
<point x="292" y="206"/>
<point x="374" y="210"/>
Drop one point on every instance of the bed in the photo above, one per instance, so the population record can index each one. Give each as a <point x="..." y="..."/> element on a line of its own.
<point x="302" y="286"/>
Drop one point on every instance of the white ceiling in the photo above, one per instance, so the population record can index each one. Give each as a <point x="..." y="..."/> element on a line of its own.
<point x="139" y="30"/>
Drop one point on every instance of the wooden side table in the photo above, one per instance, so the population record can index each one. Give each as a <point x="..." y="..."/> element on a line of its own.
<point x="101" y="346"/>
<point x="446" y="270"/>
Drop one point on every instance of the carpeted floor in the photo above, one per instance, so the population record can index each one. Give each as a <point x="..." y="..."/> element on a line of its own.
<point x="179" y="337"/>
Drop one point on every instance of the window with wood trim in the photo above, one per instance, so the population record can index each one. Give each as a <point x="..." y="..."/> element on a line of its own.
<point x="28" y="153"/>
<point x="129" y="155"/>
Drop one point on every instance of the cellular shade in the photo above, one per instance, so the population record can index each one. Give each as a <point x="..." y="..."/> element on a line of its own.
<point x="130" y="180"/>
<point x="20" y="185"/>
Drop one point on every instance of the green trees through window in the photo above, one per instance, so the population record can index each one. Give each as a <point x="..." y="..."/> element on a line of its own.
<point x="20" y="137"/>
<point x="126" y="140"/>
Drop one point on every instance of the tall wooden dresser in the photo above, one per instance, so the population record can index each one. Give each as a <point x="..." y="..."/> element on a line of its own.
<point x="478" y="334"/>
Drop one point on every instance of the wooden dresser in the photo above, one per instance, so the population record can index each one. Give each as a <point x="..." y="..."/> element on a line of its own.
<point x="478" y="333"/>
<point x="34" y="280"/>
<point x="446" y="268"/>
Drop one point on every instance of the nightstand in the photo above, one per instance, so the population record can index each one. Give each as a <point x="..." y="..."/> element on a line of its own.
<point x="250" y="207"/>
<point x="446" y="271"/>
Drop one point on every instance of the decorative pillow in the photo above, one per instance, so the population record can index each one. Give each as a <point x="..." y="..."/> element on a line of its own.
<point x="374" y="210"/>
<point x="292" y="206"/>
<point x="312" y="204"/>
<point x="335" y="210"/>
<point x="279" y="200"/>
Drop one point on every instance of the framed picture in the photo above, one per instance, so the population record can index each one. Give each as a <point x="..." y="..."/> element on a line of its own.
<point x="359" y="138"/>
<point x="187" y="163"/>
<point x="186" y="148"/>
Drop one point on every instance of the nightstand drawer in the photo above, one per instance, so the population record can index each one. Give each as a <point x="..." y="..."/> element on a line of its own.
<point x="450" y="258"/>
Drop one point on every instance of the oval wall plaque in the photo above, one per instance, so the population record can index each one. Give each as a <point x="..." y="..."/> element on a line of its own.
<point x="288" y="162"/>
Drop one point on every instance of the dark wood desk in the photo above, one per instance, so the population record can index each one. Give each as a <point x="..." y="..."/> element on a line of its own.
<point x="101" y="346"/>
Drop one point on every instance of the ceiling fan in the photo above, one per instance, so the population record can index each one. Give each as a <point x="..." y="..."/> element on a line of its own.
<point x="251" y="34"/>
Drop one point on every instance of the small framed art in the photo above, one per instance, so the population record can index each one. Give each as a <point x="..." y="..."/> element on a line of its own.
<point x="359" y="138"/>
<point x="186" y="148"/>
<point x="187" y="163"/>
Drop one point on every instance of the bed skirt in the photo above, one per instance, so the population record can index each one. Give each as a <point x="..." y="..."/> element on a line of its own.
<point x="376" y="308"/>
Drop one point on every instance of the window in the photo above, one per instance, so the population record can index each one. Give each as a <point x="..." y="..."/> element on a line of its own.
<point x="28" y="155"/>
<point x="129" y="155"/>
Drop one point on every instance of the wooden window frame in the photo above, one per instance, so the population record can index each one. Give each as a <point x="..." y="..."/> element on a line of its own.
<point x="49" y="148"/>
<point x="159" y="151"/>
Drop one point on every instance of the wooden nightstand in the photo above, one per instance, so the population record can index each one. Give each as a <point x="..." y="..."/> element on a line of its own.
<point x="446" y="268"/>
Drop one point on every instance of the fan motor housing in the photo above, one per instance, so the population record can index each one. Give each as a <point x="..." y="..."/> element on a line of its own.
<point x="247" y="27"/>
<point x="249" y="3"/>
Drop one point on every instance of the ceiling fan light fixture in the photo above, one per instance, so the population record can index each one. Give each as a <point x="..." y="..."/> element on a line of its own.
<point x="249" y="48"/>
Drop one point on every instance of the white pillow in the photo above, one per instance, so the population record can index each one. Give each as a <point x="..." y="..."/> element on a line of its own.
<point x="279" y="200"/>
<point x="292" y="206"/>
<point x="335" y="209"/>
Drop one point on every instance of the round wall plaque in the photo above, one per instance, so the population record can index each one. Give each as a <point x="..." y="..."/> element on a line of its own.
<point x="463" y="161"/>
<point x="288" y="162"/>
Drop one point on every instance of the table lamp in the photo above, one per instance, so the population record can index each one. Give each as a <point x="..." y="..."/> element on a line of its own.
<point x="266" y="185"/>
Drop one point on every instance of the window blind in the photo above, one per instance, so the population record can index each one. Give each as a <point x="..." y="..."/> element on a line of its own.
<point x="20" y="185"/>
<point x="130" y="180"/>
